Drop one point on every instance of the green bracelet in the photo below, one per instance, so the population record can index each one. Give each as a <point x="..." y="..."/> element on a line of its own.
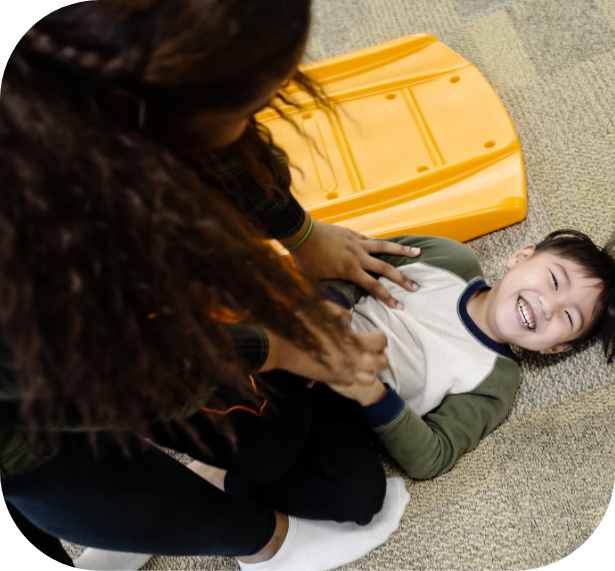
<point x="304" y="237"/>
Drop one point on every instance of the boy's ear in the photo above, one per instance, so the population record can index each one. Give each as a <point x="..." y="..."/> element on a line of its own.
<point x="523" y="254"/>
<point x="561" y="348"/>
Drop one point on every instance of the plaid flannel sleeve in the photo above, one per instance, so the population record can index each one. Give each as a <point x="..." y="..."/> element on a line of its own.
<point x="251" y="343"/>
<point x="280" y="213"/>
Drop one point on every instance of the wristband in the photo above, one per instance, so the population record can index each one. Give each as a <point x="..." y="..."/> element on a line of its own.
<point x="304" y="237"/>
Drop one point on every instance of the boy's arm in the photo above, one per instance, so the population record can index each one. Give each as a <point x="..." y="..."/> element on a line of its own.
<point x="429" y="446"/>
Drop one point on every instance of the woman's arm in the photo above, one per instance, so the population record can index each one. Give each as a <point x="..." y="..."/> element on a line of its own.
<point x="347" y="366"/>
<point x="334" y="252"/>
<point x="329" y="252"/>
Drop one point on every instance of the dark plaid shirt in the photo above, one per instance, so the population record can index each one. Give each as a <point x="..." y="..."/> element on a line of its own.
<point x="280" y="213"/>
<point x="281" y="216"/>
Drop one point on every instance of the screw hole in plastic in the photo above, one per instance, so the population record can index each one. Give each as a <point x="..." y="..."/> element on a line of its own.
<point x="391" y="96"/>
<point x="332" y="195"/>
<point x="306" y="116"/>
<point x="423" y="168"/>
<point x="489" y="144"/>
<point x="455" y="79"/>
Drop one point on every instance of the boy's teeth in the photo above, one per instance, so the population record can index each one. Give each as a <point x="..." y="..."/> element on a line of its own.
<point x="525" y="314"/>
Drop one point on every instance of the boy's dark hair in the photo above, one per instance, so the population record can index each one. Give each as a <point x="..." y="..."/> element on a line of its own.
<point x="596" y="262"/>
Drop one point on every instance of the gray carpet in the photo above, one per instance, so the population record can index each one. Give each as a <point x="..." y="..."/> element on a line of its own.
<point x="538" y="487"/>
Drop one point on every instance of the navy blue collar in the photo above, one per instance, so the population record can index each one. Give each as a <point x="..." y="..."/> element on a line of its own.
<point x="462" y="309"/>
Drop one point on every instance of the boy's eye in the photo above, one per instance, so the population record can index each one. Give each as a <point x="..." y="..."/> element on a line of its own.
<point x="570" y="319"/>
<point x="554" y="280"/>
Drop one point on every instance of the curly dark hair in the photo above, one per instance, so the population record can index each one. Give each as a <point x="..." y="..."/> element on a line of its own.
<point x="595" y="262"/>
<point x="102" y="226"/>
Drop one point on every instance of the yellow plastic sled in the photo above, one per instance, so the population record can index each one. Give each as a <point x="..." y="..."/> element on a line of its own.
<point x="416" y="142"/>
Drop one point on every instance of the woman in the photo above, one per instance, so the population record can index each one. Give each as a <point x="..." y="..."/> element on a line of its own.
<point x="137" y="295"/>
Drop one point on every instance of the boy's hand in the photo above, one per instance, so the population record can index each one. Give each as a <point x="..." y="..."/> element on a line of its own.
<point x="334" y="252"/>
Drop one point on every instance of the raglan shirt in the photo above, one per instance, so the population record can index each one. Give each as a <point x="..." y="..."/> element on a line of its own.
<point x="448" y="384"/>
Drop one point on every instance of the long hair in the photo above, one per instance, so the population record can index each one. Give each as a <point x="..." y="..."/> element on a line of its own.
<point x="115" y="255"/>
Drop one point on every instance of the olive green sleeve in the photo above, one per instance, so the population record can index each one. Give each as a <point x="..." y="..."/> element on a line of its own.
<point x="439" y="252"/>
<point x="429" y="446"/>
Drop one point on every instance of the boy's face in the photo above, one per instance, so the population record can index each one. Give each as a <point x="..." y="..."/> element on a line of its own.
<point x="544" y="302"/>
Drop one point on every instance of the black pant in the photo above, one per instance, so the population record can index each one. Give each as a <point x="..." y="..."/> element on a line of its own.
<point x="310" y="454"/>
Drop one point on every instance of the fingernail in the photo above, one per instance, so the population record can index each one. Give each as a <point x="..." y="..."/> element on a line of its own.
<point x="413" y="251"/>
<point x="398" y="305"/>
<point x="415" y="286"/>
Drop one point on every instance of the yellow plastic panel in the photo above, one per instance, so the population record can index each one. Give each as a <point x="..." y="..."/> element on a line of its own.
<point x="416" y="141"/>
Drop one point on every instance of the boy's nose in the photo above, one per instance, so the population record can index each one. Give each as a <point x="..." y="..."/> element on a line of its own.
<point x="546" y="306"/>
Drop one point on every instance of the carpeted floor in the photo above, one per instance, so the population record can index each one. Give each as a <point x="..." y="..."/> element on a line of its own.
<point x="537" y="488"/>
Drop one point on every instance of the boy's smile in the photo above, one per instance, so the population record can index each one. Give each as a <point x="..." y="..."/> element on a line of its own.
<point x="526" y="315"/>
<point x="543" y="303"/>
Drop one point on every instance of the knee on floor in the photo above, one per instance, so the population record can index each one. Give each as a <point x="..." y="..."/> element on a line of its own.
<point x="361" y="499"/>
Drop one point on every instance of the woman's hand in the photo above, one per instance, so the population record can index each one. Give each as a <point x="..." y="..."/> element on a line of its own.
<point x="343" y="366"/>
<point x="334" y="252"/>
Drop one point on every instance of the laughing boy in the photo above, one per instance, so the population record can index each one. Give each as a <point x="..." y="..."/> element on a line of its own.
<point x="452" y="376"/>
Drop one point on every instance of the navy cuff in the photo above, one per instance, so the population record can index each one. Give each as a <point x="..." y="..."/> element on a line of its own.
<point x="385" y="410"/>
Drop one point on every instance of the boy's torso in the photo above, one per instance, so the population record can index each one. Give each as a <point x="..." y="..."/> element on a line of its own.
<point x="434" y="348"/>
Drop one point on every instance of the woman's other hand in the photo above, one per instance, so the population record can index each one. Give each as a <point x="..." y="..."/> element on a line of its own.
<point x="344" y="366"/>
<point x="334" y="252"/>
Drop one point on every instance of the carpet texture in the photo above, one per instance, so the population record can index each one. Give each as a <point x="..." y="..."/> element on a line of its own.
<point x="538" y="487"/>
